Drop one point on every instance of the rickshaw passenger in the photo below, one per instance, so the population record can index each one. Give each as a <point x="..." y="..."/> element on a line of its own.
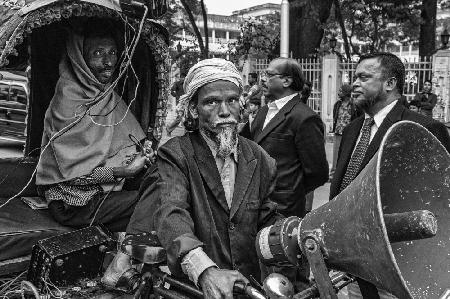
<point x="83" y="168"/>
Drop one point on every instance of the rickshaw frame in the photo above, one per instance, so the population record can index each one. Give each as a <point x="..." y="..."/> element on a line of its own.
<point x="32" y="34"/>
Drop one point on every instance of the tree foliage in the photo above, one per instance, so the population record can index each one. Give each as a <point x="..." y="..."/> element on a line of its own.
<point x="260" y="37"/>
<point x="373" y="24"/>
<point x="175" y="22"/>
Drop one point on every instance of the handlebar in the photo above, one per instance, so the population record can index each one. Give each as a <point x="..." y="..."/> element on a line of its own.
<point x="184" y="290"/>
<point x="245" y="289"/>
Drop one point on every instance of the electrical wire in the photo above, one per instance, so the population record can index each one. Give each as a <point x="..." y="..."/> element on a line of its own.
<point x="8" y="285"/>
<point x="124" y="66"/>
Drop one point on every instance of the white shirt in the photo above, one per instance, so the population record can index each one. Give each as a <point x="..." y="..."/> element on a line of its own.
<point x="378" y="120"/>
<point x="275" y="107"/>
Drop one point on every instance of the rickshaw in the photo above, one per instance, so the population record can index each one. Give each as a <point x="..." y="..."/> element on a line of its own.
<point x="32" y="34"/>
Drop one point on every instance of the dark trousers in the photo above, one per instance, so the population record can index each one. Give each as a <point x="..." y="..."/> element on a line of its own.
<point x="114" y="212"/>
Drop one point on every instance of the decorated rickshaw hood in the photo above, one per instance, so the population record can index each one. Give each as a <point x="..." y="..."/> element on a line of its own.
<point x="18" y="18"/>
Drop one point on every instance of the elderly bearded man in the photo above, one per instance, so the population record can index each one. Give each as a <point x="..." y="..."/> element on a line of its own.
<point x="213" y="191"/>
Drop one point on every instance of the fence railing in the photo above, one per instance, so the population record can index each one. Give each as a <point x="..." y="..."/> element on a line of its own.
<point x="312" y="70"/>
<point x="417" y="71"/>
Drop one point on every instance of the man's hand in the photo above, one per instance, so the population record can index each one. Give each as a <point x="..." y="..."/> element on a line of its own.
<point x="136" y="165"/>
<point x="149" y="153"/>
<point x="218" y="283"/>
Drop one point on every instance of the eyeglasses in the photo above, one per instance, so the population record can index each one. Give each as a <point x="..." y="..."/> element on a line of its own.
<point x="267" y="74"/>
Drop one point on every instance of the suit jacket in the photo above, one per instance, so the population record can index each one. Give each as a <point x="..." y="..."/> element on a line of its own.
<point x="294" y="137"/>
<point x="190" y="209"/>
<point x="351" y="133"/>
<point x="349" y="138"/>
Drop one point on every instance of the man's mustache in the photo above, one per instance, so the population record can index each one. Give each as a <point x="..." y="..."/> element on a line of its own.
<point x="228" y="121"/>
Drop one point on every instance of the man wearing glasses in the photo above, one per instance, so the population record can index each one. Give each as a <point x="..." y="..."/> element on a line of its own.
<point x="293" y="135"/>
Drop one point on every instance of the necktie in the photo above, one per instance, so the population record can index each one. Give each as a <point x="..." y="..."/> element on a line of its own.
<point x="359" y="153"/>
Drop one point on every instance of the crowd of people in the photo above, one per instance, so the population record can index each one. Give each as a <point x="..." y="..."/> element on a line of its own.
<point x="249" y="157"/>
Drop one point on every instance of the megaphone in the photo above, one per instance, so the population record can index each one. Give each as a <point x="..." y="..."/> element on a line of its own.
<point x="375" y="228"/>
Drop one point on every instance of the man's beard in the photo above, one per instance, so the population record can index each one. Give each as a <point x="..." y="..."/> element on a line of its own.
<point x="225" y="137"/>
<point x="366" y="103"/>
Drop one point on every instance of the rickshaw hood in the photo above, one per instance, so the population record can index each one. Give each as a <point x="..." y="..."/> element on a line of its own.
<point x="31" y="5"/>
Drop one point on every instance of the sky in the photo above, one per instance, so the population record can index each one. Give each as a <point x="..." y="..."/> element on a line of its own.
<point x="225" y="7"/>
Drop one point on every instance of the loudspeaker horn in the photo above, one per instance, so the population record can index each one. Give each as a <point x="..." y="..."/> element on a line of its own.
<point x="410" y="172"/>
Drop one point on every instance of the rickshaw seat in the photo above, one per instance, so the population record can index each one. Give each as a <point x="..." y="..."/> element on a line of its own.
<point x="20" y="226"/>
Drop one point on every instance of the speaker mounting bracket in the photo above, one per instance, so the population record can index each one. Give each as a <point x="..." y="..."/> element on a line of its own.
<point x="313" y="252"/>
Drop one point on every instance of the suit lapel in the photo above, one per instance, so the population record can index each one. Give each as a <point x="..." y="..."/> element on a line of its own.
<point x="258" y="122"/>
<point x="392" y="117"/>
<point x="246" y="167"/>
<point x="208" y="168"/>
<point x="277" y="119"/>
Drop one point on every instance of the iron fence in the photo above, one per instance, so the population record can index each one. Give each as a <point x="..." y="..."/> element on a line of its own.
<point x="417" y="71"/>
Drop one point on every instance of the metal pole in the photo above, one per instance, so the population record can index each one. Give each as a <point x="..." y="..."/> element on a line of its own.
<point x="284" y="35"/>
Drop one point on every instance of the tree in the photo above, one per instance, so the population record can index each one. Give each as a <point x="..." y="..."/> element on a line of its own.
<point x="204" y="47"/>
<point x="427" y="38"/>
<point x="260" y="37"/>
<point x="373" y="24"/>
<point x="174" y="22"/>
<point x="306" y="25"/>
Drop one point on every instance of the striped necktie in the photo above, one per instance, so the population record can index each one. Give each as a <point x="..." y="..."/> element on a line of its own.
<point x="359" y="153"/>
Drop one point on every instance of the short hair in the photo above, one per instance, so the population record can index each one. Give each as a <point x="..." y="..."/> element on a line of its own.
<point x="253" y="75"/>
<point x="290" y="67"/>
<point x="306" y="92"/>
<point x="255" y="101"/>
<point x="391" y="65"/>
<point x="428" y="80"/>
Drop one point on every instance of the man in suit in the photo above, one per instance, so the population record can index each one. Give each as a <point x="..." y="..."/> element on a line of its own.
<point x="377" y="89"/>
<point x="292" y="134"/>
<point x="213" y="193"/>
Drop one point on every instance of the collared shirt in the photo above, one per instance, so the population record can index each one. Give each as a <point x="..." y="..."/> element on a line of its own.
<point x="227" y="168"/>
<point x="196" y="261"/>
<point x="378" y="120"/>
<point x="275" y="107"/>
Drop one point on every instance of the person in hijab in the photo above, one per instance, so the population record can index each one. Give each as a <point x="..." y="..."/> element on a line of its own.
<point x="213" y="192"/>
<point x="87" y="151"/>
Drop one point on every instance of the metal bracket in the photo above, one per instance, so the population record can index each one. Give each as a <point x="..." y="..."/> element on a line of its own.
<point x="312" y="250"/>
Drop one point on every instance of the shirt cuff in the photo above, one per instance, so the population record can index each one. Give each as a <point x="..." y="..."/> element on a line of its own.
<point x="103" y="175"/>
<point x="195" y="262"/>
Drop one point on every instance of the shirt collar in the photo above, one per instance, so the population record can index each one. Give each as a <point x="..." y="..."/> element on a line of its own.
<point x="278" y="104"/>
<point x="213" y="147"/>
<point x="381" y="115"/>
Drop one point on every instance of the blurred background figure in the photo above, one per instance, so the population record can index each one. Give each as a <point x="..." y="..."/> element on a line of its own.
<point x="344" y="111"/>
<point x="254" y="90"/>
<point x="306" y="92"/>
<point x="425" y="100"/>
<point x="253" y="106"/>
<point x="176" y="91"/>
